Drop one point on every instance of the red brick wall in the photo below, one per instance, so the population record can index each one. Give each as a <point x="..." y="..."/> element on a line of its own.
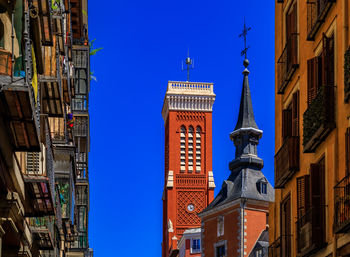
<point x="255" y="223"/>
<point x="193" y="192"/>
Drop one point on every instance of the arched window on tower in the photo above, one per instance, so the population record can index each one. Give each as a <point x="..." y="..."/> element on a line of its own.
<point x="198" y="149"/>
<point x="182" y="149"/>
<point x="190" y="149"/>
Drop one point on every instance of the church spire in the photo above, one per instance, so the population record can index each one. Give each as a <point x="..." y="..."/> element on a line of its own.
<point x="246" y="114"/>
<point x="246" y="134"/>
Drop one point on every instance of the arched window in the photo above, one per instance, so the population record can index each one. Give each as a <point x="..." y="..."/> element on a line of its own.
<point x="198" y="149"/>
<point x="182" y="149"/>
<point x="190" y="149"/>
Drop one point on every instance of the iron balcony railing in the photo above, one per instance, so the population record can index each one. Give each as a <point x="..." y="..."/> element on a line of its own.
<point x="281" y="247"/>
<point x="43" y="230"/>
<point x="319" y="119"/>
<point x="287" y="63"/>
<point x="286" y="161"/>
<point x="310" y="231"/>
<point x="317" y="11"/>
<point x="342" y="206"/>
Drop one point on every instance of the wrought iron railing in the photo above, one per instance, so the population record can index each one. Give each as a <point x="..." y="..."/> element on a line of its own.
<point x="42" y="224"/>
<point x="310" y="230"/>
<point x="319" y="118"/>
<point x="316" y="12"/>
<point x="286" y="161"/>
<point x="287" y="63"/>
<point x="342" y="206"/>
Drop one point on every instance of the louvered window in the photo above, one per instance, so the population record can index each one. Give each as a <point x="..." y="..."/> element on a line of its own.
<point x="190" y="149"/>
<point x="33" y="163"/>
<point x="303" y="195"/>
<point x="290" y="118"/>
<point x="317" y="175"/>
<point x="198" y="149"/>
<point x="320" y="69"/>
<point x="183" y="149"/>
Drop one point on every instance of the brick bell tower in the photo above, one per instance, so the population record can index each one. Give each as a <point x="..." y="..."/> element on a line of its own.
<point x="188" y="177"/>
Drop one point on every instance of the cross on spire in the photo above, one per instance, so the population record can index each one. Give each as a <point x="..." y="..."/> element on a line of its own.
<point x="244" y="35"/>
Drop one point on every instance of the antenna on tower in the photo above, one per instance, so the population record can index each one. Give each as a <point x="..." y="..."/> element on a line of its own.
<point x="190" y="65"/>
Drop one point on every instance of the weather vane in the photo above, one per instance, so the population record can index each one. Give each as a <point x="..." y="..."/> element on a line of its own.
<point x="190" y="65"/>
<point x="244" y="35"/>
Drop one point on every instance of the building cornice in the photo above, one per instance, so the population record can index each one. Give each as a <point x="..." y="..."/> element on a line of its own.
<point x="233" y="203"/>
<point x="188" y="96"/>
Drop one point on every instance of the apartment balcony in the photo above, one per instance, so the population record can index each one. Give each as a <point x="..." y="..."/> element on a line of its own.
<point x="310" y="231"/>
<point x="281" y="247"/>
<point x="342" y="206"/>
<point x="43" y="231"/>
<point x="39" y="183"/>
<point x="287" y="161"/>
<point x="287" y="63"/>
<point x="52" y="96"/>
<point x="317" y="11"/>
<point x="17" y="104"/>
<point x="319" y="119"/>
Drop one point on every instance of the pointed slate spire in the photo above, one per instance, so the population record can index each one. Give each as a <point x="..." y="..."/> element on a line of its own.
<point x="246" y="114"/>
<point x="246" y="134"/>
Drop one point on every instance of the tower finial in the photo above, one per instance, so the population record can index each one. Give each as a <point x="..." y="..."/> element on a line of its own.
<point x="189" y="63"/>
<point x="244" y="35"/>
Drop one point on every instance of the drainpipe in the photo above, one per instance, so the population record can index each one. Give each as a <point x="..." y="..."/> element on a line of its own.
<point x="243" y="203"/>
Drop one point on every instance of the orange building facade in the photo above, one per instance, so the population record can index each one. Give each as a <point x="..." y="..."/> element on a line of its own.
<point x="189" y="183"/>
<point x="311" y="214"/>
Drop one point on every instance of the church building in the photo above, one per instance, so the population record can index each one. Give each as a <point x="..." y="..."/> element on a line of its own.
<point x="188" y="177"/>
<point x="235" y="222"/>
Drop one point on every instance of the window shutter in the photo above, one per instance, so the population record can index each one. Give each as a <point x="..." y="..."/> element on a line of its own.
<point x="286" y="123"/>
<point x="347" y="150"/>
<point x="312" y="74"/>
<point x="303" y="195"/>
<point x="327" y="61"/>
<point x="317" y="201"/>
<point x="295" y="114"/>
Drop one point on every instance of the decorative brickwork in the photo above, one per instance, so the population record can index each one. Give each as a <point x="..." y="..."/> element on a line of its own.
<point x="184" y="199"/>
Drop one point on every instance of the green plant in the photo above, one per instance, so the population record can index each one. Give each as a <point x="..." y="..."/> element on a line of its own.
<point x="93" y="51"/>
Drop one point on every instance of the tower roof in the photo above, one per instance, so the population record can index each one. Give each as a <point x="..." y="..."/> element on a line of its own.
<point x="246" y="115"/>
<point x="246" y="180"/>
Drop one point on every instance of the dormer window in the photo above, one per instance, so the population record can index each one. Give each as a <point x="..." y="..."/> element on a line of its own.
<point x="261" y="186"/>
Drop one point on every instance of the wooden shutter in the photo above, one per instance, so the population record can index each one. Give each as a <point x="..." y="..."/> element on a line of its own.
<point x="312" y="79"/>
<point x="293" y="35"/>
<point x="303" y="195"/>
<point x="347" y="151"/>
<point x="317" y="201"/>
<point x="327" y="61"/>
<point x="286" y="123"/>
<point x="286" y="217"/>
<point x="295" y="114"/>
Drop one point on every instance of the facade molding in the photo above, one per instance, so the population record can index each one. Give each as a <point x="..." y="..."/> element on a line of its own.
<point x="188" y="96"/>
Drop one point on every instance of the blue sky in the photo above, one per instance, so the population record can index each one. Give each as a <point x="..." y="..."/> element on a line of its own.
<point x="144" y="43"/>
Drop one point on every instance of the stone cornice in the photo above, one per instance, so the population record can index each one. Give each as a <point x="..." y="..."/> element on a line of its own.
<point x="188" y="96"/>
